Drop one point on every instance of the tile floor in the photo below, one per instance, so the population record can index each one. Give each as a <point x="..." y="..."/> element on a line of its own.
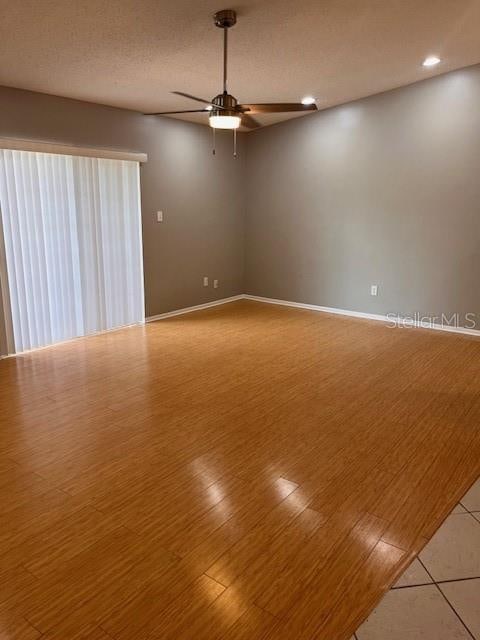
<point x="438" y="596"/>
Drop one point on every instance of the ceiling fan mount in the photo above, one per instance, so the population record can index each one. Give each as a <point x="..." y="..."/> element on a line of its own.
<point x="225" y="19"/>
<point x="223" y="110"/>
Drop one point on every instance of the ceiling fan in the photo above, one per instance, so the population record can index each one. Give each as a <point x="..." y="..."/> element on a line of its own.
<point x="224" y="110"/>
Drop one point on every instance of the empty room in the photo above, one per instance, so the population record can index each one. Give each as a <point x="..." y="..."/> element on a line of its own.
<point x="240" y="320"/>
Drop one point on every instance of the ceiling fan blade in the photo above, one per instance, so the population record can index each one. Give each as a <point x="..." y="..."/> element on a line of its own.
<point x="249" y="122"/>
<point x="277" y="107"/>
<point x="166" y="113"/>
<point x="187" y="95"/>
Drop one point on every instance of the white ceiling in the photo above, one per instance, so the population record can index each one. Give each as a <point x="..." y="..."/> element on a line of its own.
<point x="132" y="53"/>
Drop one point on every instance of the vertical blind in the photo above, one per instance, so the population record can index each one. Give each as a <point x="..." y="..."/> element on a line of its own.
<point x="72" y="246"/>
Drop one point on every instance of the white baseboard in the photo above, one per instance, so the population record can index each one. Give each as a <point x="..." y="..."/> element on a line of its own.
<point x="366" y="316"/>
<point x="314" y="307"/>
<point x="298" y="305"/>
<point x="197" y="307"/>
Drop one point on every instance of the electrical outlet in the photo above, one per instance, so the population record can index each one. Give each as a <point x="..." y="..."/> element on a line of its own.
<point x="215" y="284"/>
<point x="374" y="290"/>
<point x="205" y="281"/>
<point x="159" y="216"/>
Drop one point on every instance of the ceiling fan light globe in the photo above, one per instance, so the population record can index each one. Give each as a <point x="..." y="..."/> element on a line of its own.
<point x="224" y="122"/>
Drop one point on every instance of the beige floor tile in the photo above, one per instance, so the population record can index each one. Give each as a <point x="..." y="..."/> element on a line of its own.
<point x="471" y="500"/>
<point x="464" y="596"/>
<point x="459" y="509"/>
<point x="415" y="613"/>
<point x="415" y="574"/>
<point x="454" y="551"/>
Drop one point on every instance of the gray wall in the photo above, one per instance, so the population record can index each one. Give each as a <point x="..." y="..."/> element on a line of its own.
<point x="201" y="195"/>
<point x="385" y="190"/>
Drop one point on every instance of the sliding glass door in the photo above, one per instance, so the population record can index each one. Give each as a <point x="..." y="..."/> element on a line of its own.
<point x="72" y="250"/>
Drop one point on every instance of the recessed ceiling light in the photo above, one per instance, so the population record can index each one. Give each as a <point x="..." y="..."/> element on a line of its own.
<point x="431" y="61"/>
<point x="308" y="100"/>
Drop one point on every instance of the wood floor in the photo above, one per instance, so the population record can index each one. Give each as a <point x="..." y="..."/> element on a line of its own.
<point x="245" y="472"/>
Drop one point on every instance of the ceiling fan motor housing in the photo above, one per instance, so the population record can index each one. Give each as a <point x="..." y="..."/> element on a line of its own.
<point x="227" y="103"/>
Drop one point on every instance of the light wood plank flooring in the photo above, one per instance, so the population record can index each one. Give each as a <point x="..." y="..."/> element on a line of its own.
<point x="244" y="472"/>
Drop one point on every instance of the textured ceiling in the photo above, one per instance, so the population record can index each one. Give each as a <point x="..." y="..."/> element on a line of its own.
<point x="132" y="53"/>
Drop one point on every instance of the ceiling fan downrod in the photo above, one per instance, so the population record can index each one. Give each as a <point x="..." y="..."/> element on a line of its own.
<point x="226" y="19"/>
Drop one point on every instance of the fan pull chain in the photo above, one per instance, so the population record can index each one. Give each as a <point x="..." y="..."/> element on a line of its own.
<point x="213" y="133"/>
<point x="234" y="143"/>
